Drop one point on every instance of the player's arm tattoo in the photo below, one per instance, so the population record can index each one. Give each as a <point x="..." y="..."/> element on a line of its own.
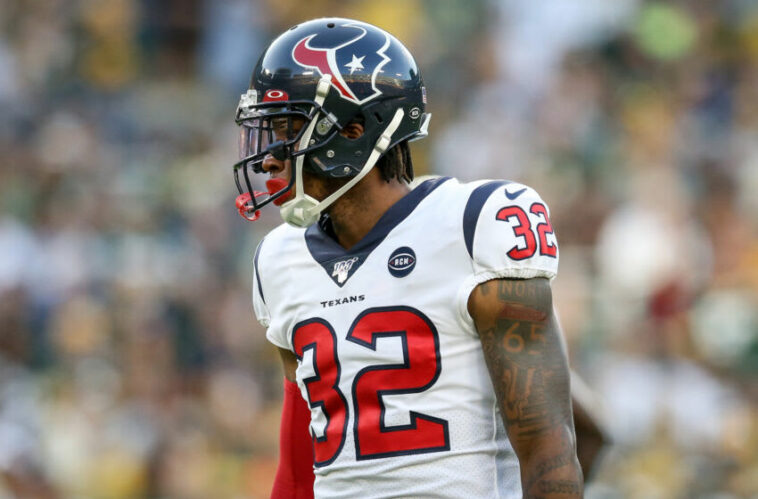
<point x="527" y="363"/>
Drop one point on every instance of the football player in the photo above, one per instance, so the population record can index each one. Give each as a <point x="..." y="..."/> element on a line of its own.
<point x="421" y="353"/>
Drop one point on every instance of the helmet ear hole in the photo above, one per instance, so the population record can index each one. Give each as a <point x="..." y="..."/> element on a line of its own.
<point x="353" y="131"/>
<point x="379" y="118"/>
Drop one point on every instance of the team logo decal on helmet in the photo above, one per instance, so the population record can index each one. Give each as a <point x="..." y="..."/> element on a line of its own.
<point x="331" y="59"/>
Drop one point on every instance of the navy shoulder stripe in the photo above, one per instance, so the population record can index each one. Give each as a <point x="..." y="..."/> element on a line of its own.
<point x="257" y="273"/>
<point x="474" y="207"/>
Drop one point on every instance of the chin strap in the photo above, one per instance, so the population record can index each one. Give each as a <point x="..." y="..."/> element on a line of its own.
<point x="304" y="210"/>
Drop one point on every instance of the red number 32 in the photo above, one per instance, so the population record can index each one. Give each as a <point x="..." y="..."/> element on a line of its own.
<point x="524" y="229"/>
<point x="418" y="372"/>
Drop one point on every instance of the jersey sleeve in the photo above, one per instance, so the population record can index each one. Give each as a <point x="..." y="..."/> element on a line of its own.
<point x="274" y="330"/>
<point x="508" y="235"/>
<point x="259" y="302"/>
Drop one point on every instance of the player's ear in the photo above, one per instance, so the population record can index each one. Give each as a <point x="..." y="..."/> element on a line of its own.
<point x="352" y="131"/>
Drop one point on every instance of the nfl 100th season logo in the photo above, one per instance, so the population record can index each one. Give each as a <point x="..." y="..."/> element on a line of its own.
<point x="341" y="269"/>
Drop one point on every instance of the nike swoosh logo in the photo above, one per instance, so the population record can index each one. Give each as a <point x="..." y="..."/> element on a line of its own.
<point x="514" y="195"/>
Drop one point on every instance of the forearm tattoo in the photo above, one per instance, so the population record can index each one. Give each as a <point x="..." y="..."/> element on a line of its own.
<point x="528" y="366"/>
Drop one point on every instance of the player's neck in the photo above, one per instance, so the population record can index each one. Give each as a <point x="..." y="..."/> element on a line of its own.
<point x="359" y="209"/>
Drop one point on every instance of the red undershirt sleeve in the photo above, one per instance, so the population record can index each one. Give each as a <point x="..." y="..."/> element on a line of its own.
<point x="294" y="477"/>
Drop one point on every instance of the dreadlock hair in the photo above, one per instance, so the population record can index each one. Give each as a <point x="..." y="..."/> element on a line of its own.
<point x="396" y="163"/>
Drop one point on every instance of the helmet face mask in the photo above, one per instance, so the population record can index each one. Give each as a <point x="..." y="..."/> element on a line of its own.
<point x="267" y="130"/>
<point x="323" y="76"/>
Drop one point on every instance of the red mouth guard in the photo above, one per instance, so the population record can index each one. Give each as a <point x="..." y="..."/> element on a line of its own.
<point x="275" y="185"/>
<point x="244" y="201"/>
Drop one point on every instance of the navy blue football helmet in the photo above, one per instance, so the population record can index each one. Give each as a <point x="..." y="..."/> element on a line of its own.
<point x="325" y="73"/>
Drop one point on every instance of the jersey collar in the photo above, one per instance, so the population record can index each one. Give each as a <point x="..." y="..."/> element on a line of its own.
<point x="340" y="263"/>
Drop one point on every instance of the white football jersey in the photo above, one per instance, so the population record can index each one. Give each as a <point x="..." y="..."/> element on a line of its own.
<point x="389" y="359"/>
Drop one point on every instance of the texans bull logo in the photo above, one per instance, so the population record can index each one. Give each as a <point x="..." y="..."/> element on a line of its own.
<point x="337" y="52"/>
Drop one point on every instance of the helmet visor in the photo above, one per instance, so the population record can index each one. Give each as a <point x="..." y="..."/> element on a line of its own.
<point x="270" y="134"/>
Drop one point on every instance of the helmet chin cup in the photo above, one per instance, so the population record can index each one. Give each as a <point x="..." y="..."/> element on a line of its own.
<point x="300" y="212"/>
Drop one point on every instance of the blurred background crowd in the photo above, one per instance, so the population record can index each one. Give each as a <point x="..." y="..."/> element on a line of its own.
<point x="130" y="362"/>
